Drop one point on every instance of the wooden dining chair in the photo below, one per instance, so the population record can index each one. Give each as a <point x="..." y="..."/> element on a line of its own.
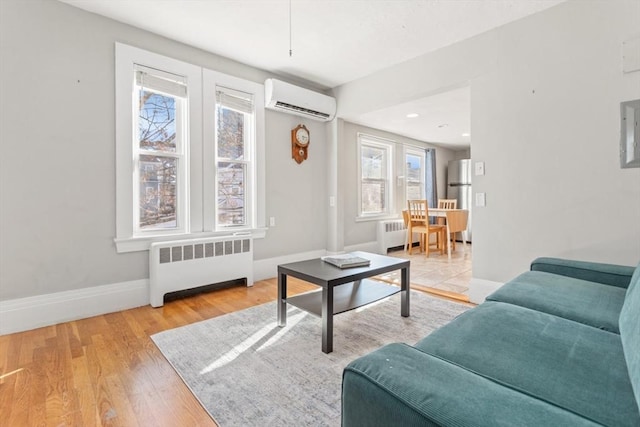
<point x="447" y="204"/>
<point x="418" y="222"/>
<point x="409" y="239"/>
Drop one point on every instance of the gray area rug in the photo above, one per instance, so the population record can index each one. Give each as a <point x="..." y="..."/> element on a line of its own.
<point x="246" y="371"/>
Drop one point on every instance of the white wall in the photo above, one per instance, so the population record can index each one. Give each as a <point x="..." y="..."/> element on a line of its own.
<point x="545" y="95"/>
<point x="547" y="124"/>
<point x="296" y="193"/>
<point x="57" y="170"/>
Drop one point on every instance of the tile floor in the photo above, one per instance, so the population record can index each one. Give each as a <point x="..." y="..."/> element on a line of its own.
<point x="437" y="274"/>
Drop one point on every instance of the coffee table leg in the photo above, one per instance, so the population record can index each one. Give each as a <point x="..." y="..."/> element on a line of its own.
<point x="327" y="319"/>
<point x="404" y="301"/>
<point x="282" y="299"/>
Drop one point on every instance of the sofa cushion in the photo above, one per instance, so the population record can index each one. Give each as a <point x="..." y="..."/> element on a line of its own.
<point x="607" y="274"/>
<point x="559" y="361"/>
<point x="630" y="331"/>
<point x="398" y="385"/>
<point x="586" y="302"/>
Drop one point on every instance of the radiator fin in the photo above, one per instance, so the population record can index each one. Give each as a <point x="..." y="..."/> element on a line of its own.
<point x="176" y="253"/>
<point x="165" y="255"/>
<point x="199" y="250"/>
<point x="188" y="252"/>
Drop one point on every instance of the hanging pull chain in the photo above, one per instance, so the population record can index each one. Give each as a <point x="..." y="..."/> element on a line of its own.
<point x="290" y="48"/>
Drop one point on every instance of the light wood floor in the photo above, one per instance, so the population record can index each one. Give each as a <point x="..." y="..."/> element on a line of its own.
<point x="106" y="371"/>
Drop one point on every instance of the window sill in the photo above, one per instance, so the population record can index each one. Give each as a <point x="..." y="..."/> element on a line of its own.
<point x="138" y="244"/>
<point x="376" y="218"/>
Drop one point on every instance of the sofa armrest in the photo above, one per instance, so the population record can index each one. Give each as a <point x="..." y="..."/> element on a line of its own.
<point x="607" y="274"/>
<point x="403" y="386"/>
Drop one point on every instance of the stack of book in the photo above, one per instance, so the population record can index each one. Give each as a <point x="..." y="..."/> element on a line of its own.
<point x="346" y="261"/>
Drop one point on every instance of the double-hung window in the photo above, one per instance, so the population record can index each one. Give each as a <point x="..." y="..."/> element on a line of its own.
<point x="234" y="133"/>
<point x="189" y="151"/>
<point x="375" y="192"/>
<point x="159" y="150"/>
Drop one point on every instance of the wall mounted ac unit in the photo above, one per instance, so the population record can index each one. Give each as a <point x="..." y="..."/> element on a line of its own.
<point x="287" y="98"/>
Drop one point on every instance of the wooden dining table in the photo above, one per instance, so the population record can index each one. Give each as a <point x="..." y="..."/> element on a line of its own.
<point x="442" y="213"/>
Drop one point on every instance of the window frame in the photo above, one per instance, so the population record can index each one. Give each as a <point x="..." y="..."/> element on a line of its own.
<point x="182" y="164"/>
<point x="255" y="190"/>
<point x="389" y="147"/>
<point x="197" y="204"/>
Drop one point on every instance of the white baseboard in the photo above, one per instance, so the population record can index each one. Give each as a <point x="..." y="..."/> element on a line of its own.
<point x="28" y="313"/>
<point x="23" y="314"/>
<point x="365" y="247"/>
<point x="268" y="268"/>
<point x="479" y="289"/>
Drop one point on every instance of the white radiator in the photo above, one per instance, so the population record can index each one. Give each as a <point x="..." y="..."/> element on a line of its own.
<point x="186" y="264"/>
<point x="390" y="234"/>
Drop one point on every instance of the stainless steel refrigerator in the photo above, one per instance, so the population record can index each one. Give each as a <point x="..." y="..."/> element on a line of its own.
<point x="459" y="187"/>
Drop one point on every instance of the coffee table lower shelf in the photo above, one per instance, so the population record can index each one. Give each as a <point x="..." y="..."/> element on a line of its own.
<point x="345" y="297"/>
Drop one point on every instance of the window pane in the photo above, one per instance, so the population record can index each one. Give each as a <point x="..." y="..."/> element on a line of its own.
<point x="158" y="192"/>
<point x="373" y="163"/>
<point x="415" y="176"/>
<point x="373" y="196"/>
<point x="231" y="193"/>
<point x="156" y="121"/>
<point x="414" y="168"/>
<point x="414" y="191"/>
<point x="230" y="133"/>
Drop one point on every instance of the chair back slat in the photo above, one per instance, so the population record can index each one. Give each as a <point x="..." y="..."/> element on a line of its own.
<point x="447" y="203"/>
<point x="418" y="210"/>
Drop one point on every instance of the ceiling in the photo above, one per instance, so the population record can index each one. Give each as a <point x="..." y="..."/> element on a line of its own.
<point x="444" y="119"/>
<point x="332" y="42"/>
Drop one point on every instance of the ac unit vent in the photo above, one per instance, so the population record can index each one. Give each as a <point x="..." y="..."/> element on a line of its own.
<point x="290" y="107"/>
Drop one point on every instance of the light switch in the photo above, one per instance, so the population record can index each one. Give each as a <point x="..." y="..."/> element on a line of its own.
<point x="272" y="221"/>
<point x="332" y="201"/>
<point x="481" y="199"/>
<point x="479" y="168"/>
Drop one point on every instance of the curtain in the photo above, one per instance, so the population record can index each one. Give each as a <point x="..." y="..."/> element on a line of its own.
<point x="430" y="179"/>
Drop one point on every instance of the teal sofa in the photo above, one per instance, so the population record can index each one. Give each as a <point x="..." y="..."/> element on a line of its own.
<point x="557" y="346"/>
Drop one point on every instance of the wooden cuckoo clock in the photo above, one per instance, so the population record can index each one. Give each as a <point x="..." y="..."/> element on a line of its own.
<point x="299" y="143"/>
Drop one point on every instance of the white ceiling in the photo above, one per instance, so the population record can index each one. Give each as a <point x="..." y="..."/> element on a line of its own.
<point x="333" y="41"/>
<point x="444" y="119"/>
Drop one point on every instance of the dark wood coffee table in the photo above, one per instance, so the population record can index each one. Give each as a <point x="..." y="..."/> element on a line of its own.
<point x="342" y="289"/>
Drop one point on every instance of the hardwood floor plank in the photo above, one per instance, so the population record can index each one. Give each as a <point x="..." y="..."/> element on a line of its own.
<point x="37" y="392"/>
<point x="86" y="404"/>
<point x="17" y="386"/>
